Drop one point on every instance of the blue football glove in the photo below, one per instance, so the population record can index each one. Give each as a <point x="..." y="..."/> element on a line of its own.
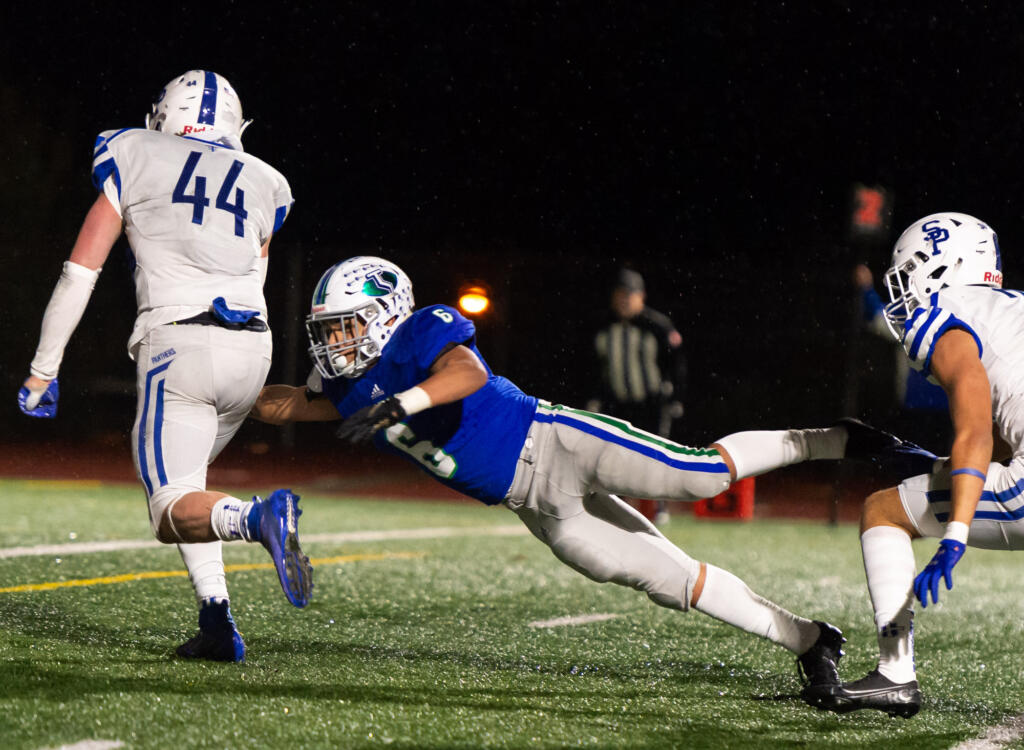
<point x="225" y="314"/>
<point x="41" y="404"/>
<point x="941" y="566"/>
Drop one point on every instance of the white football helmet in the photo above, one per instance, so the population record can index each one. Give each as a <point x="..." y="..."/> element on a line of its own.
<point x="199" y="102"/>
<point x="363" y="299"/>
<point x="938" y="251"/>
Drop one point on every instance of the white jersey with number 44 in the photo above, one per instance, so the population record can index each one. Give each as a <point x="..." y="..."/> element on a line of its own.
<point x="196" y="214"/>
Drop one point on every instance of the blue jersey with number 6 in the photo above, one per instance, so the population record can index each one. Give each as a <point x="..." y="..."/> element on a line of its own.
<point x="470" y="445"/>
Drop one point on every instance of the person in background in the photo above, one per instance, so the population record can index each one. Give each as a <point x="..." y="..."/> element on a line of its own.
<point x="922" y="407"/>
<point x="639" y="356"/>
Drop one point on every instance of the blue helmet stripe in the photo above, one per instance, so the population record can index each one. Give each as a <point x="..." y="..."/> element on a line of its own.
<point x="321" y="290"/>
<point x="208" y="106"/>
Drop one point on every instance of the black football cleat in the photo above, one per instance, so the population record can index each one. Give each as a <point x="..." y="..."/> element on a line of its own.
<point x="885" y="450"/>
<point x="873" y="691"/>
<point x="818" y="666"/>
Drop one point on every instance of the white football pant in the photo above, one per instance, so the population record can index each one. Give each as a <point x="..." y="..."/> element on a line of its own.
<point x="196" y="384"/>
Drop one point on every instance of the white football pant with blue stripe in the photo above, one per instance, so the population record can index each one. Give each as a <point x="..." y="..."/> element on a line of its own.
<point x="196" y="385"/>
<point x="998" y="520"/>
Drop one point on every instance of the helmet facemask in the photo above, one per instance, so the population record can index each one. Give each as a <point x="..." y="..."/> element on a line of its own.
<point x="357" y="305"/>
<point x="342" y="343"/>
<point x="903" y="291"/>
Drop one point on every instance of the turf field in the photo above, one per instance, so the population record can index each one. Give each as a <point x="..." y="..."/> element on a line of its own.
<point x="431" y="639"/>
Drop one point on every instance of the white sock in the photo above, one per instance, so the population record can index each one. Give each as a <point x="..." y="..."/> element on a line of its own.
<point x="889" y="567"/>
<point x="228" y="519"/>
<point x="206" y="569"/>
<point x="758" y="451"/>
<point x="725" y="597"/>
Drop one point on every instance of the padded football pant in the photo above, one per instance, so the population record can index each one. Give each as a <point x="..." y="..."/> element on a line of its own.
<point x="195" y="384"/>
<point x="998" y="520"/>
<point x="573" y="465"/>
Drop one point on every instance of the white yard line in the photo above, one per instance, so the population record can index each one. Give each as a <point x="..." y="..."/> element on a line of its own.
<point x="92" y="745"/>
<point x="997" y="737"/>
<point x="77" y="548"/>
<point x="571" y="620"/>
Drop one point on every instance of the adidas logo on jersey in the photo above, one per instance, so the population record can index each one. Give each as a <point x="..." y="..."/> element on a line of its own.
<point x="376" y="393"/>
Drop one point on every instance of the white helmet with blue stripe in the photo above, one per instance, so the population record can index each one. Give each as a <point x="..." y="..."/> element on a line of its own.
<point x="939" y="251"/>
<point x="357" y="305"/>
<point x="199" y="103"/>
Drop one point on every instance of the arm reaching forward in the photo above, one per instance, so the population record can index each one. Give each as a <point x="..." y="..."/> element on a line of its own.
<point x="454" y="375"/>
<point x="281" y="404"/>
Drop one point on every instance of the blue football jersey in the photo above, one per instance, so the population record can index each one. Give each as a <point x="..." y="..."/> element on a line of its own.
<point x="470" y="445"/>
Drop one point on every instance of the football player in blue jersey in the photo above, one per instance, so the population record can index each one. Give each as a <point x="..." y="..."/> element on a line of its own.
<point x="413" y="382"/>
<point x="200" y="343"/>
<point x="962" y="330"/>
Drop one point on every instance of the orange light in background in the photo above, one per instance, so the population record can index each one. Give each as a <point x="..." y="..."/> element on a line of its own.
<point x="872" y="206"/>
<point x="474" y="300"/>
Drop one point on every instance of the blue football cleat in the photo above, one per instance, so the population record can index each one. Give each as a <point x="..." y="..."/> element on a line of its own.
<point x="218" y="639"/>
<point x="279" y="533"/>
<point x="884" y="450"/>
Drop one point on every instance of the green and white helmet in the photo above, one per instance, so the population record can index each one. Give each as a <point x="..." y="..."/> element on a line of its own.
<point x="371" y="292"/>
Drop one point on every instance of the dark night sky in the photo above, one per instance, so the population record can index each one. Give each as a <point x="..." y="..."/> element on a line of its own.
<point x="536" y="146"/>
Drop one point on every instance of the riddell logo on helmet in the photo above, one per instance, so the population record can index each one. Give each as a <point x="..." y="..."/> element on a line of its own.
<point x="191" y="129"/>
<point x="994" y="278"/>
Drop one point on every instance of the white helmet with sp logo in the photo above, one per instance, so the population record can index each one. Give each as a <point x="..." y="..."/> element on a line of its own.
<point x="939" y="251"/>
<point x="357" y="305"/>
<point x="200" y="103"/>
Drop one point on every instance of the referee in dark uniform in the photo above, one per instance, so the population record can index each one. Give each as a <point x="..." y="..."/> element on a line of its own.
<point x="642" y="366"/>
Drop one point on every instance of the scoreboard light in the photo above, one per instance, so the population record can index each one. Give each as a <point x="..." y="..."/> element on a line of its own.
<point x="474" y="300"/>
<point x="872" y="206"/>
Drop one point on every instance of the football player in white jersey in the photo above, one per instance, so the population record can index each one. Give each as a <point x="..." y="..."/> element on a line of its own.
<point x="960" y="328"/>
<point x="199" y="213"/>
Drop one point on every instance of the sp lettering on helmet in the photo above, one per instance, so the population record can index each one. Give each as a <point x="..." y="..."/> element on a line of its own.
<point x="939" y="251"/>
<point x="935" y="234"/>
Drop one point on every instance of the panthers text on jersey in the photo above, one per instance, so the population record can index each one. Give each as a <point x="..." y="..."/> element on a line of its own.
<point x="196" y="214"/>
<point x="471" y="445"/>
<point x="995" y="318"/>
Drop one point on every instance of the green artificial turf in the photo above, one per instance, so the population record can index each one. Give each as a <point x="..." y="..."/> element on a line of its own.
<point x="418" y="643"/>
